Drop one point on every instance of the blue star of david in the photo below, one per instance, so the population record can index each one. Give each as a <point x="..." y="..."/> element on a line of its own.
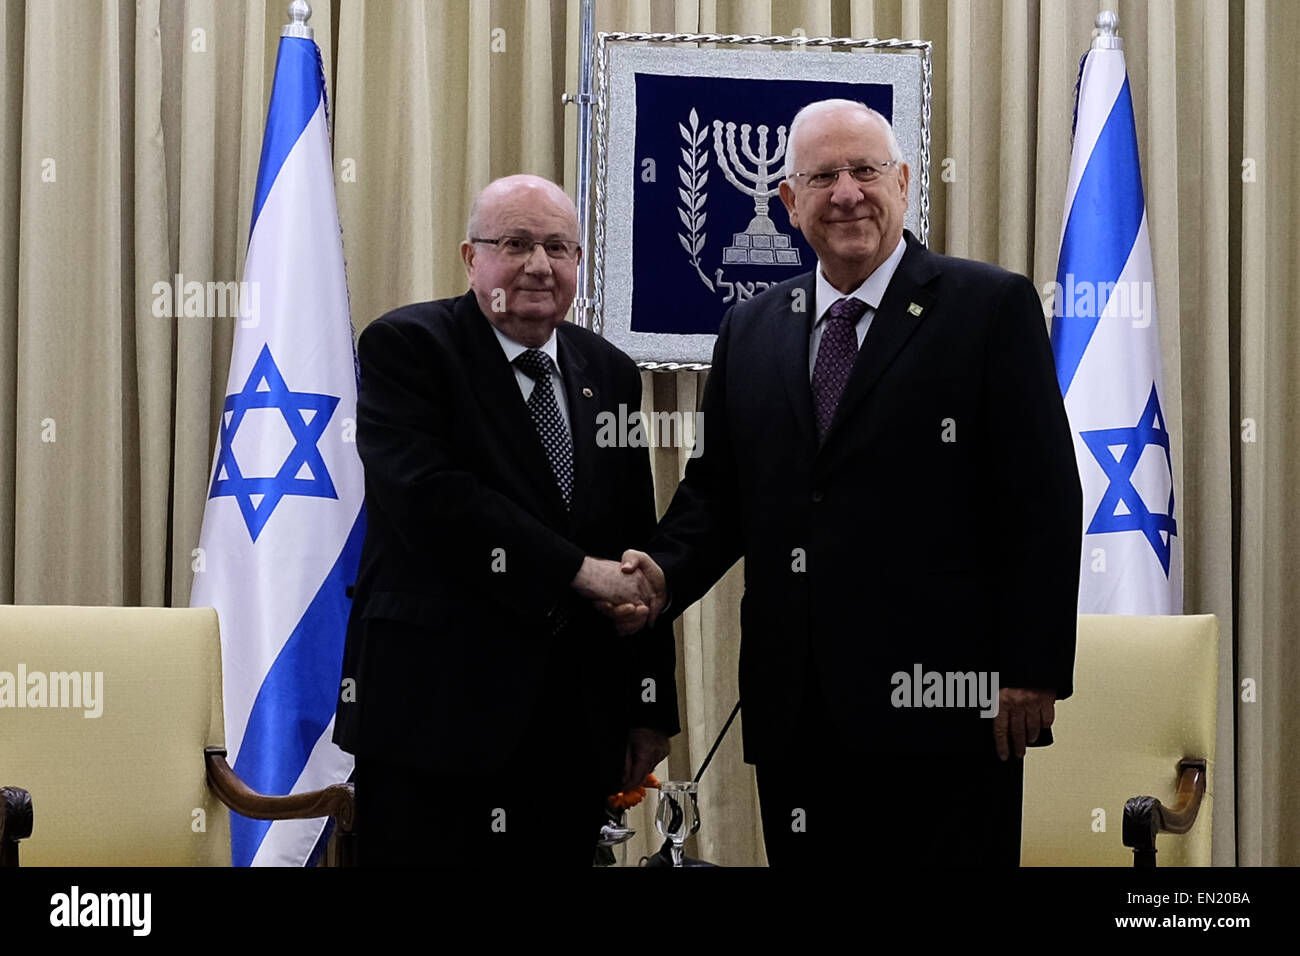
<point x="1150" y="430"/>
<point x="266" y="388"/>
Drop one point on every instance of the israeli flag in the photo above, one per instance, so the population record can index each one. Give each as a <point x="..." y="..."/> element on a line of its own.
<point x="283" y="526"/>
<point x="1105" y="338"/>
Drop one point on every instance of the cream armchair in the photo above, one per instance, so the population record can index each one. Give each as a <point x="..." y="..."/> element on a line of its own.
<point x="112" y="747"/>
<point x="1134" y="750"/>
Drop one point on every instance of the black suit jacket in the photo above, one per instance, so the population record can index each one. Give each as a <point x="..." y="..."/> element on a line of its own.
<point x="938" y="524"/>
<point x="469" y="551"/>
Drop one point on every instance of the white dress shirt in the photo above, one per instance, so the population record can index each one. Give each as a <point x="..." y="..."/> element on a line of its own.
<point x="513" y="350"/>
<point x="871" y="292"/>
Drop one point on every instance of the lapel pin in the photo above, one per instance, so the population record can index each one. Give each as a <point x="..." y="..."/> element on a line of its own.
<point x="586" y="393"/>
<point x="914" y="309"/>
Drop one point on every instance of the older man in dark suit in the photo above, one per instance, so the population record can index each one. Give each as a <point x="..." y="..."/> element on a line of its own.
<point x="490" y="706"/>
<point x="890" y="455"/>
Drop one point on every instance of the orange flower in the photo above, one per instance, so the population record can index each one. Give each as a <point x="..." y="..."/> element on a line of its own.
<point x="626" y="800"/>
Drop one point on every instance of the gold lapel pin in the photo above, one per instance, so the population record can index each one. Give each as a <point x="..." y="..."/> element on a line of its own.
<point x="914" y="309"/>
<point x="586" y="393"/>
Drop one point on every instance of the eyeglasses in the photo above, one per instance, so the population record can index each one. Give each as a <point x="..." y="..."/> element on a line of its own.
<point x="862" y="172"/>
<point x="520" y="247"/>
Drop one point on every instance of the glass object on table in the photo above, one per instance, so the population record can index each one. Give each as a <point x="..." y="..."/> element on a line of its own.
<point x="679" y="814"/>
<point x="617" y="831"/>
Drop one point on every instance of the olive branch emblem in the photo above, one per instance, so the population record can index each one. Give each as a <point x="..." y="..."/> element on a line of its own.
<point x="693" y="176"/>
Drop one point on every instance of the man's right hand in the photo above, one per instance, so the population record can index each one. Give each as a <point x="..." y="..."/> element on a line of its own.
<point x="629" y="617"/>
<point x="628" y="597"/>
<point x="631" y="594"/>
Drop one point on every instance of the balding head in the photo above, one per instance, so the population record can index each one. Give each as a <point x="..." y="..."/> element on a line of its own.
<point x="849" y="110"/>
<point x="520" y="187"/>
<point x="524" y="294"/>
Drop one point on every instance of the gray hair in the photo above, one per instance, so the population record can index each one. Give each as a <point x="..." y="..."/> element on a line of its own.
<point x="823" y="106"/>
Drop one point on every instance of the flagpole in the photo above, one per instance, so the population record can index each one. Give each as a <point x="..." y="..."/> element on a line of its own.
<point x="1106" y="36"/>
<point x="584" y="99"/>
<point x="299" y="14"/>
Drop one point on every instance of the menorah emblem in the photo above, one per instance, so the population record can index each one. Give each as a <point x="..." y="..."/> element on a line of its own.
<point x="760" y="243"/>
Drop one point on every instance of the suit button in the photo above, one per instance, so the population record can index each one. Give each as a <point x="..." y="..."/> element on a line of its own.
<point x="816" y="496"/>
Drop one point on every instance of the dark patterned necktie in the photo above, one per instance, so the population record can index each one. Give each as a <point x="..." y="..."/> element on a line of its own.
<point x="836" y="353"/>
<point x="555" y="437"/>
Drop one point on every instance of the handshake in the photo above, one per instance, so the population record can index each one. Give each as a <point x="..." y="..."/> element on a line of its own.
<point x="631" y="592"/>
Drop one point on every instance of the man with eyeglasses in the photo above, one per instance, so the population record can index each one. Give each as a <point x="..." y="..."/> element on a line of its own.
<point x="491" y="706"/>
<point x="891" y="458"/>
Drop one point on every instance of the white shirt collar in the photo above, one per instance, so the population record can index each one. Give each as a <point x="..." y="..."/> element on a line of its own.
<point x="872" y="289"/>
<point x="513" y="349"/>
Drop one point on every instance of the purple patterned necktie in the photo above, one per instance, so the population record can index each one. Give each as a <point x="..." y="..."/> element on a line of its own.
<point x="836" y="354"/>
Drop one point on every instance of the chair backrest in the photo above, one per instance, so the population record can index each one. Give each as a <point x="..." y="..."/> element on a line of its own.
<point x="1144" y="698"/>
<point x="104" y="714"/>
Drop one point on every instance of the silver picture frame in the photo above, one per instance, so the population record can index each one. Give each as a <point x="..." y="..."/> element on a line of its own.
<point x="905" y="65"/>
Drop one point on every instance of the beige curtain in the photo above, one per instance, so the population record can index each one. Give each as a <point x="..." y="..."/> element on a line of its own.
<point x="129" y="143"/>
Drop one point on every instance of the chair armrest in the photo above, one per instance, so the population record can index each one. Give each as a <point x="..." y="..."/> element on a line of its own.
<point x="15" y="822"/>
<point x="337" y="801"/>
<point x="1144" y="817"/>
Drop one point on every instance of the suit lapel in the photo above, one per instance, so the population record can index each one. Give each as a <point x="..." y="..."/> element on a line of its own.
<point x="497" y="389"/>
<point x="905" y="306"/>
<point x="793" y="329"/>
<point x="583" y="397"/>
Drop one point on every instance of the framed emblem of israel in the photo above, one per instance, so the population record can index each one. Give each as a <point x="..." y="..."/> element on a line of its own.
<point x="690" y="152"/>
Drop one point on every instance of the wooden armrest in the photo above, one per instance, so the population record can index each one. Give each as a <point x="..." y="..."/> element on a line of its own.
<point x="1145" y="817"/>
<point x="15" y="822"/>
<point x="337" y="800"/>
